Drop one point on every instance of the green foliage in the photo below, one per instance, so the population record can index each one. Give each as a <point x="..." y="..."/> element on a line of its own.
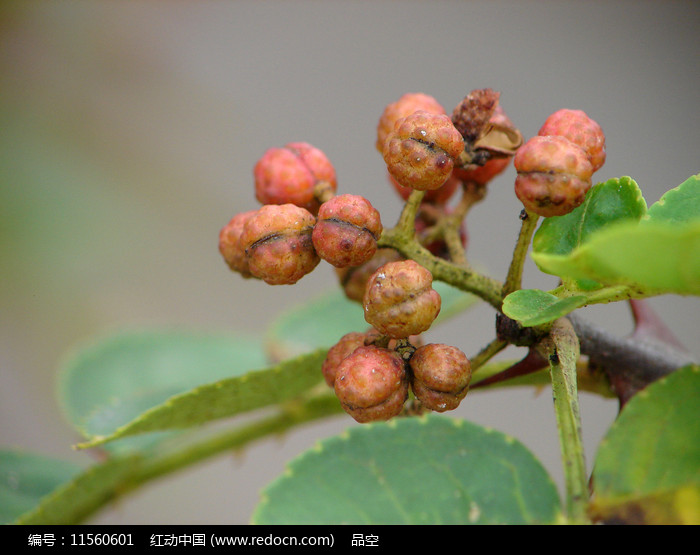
<point x="611" y="248"/>
<point x="428" y="470"/>
<point x="133" y="393"/>
<point x="26" y="478"/>
<point x="647" y="468"/>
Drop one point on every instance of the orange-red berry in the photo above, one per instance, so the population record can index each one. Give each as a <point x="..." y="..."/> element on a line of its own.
<point x="347" y="231"/>
<point x="554" y="175"/>
<point x="371" y="383"/>
<point x="230" y="244"/>
<point x="278" y="245"/>
<point x="440" y="376"/>
<point x="399" y="299"/>
<point x="291" y="174"/>
<point x="404" y="106"/>
<point x="580" y="129"/>
<point x="421" y="150"/>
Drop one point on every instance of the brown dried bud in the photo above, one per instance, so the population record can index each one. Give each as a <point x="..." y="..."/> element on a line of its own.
<point x="472" y="114"/>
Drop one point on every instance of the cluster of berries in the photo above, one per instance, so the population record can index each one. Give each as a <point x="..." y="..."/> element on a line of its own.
<point x="302" y="220"/>
<point x="555" y="167"/>
<point x="371" y="372"/>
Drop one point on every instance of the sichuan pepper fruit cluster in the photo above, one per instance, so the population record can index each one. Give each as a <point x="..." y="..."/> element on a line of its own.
<point x="303" y="220"/>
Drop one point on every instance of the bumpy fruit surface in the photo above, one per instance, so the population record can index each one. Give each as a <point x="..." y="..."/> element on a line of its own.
<point x="421" y="150"/>
<point x="345" y="346"/>
<point x="404" y="106"/>
<point x="354" y="279"/>
<point x="371" y="384"/>
<point x="400" y="301"/>
<point x="440" y="376"/>
<point x="554" y="175"/>
<point x="278" y="245"/>
<point x="291" y="174"/>
<point x="347" y="231"/>
<point x="230" y="243"/>
<point x="580" y="129"/>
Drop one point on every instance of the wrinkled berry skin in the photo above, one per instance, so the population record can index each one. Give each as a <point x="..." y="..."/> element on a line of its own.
<point x="581" y="130"/>
<point x="354" y="279"/>
<point x="371" y="384"/>
<point x="421" y="150"/>
<point x="400" y="301"/>
<point x="440" y="376"/>
<point x="554" y="175"/>
<point x="230" y="244"/>
<point x="278" y="245"/>
<point x="289" y="175"/>
<point x="347" y="231"/>
<point x="345" y="346"/>
<point x="404" y="106"/>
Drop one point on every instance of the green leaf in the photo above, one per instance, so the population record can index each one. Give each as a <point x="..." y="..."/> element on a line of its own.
<point x="532" y="307"/>
<point x="678" y="205"/>
<point x="651" y="259"/>
<point x="414" y="470"/>
<point x="112" y="380"/>
<point x="605" y="204"/>
<point x="225" y="398"/>
<point x="321" y="322"/>
<point x="651" y="253"/>
<point x="26" y="478"/>
<point x="647" y="469"/>
<point x="73" y="501"/>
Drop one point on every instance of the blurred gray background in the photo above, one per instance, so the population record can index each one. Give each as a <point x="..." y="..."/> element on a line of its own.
<point x="129" y="132"/>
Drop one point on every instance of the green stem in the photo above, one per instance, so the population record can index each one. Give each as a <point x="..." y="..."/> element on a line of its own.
<point x="406" y="225"/>
<point x="515" y="272"/>
<point x="84" y="496"/>
<point x="561" y="349"/>
<point x="487" y="353"/>
<point x="462" y="278"/>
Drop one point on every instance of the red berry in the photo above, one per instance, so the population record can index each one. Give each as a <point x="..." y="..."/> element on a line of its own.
<point x="278" y="245"/>
<point x="230" y="245"/>
<point x="371" y="383"/>
<point x="580" y="129"/>
<point x="354" y="279"/>
<point x="554" y="175"/>
<point x="421" y="150"/>
<point x="400" y="301"/>
<point x="337" y="353"/>
<point x="290" y="175"/>
<point x="404" y="106"/>
<point x="347" y="231"/>
<point x="440" y="376"/>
